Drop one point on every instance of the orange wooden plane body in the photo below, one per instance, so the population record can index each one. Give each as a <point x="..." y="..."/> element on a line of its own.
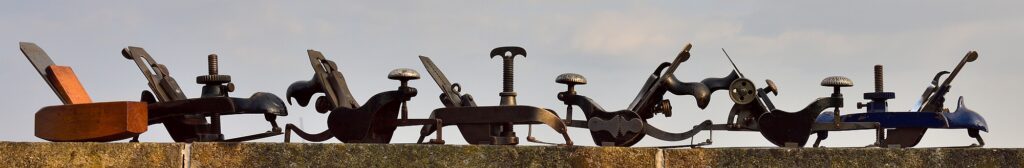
<point x="79" y="119"/>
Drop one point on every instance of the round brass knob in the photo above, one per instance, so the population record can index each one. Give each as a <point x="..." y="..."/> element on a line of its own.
<point x="571" y="79"/>
<point x="837" y="81"/>
<point x="403" y="74"/>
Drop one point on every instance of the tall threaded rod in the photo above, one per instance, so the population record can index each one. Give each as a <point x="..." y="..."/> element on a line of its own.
<point x="508" y="94"/>
<point x="878" y="98"/>
<point x="503" y="133"/>
<point x="878" y="78"/>
<point x="212" y="63"/>
<point x="508" y="73"/>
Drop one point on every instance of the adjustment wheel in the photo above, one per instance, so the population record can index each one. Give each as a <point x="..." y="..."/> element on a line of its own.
<point x="213" y="79"/>
<point x="742" y="91"/>
<point x="665" y="107"/>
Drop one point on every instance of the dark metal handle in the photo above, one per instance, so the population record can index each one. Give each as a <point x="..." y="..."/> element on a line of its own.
<point x="722" y="83"/>
<point x="699" y="91"/>
<point x="303" y="91"/>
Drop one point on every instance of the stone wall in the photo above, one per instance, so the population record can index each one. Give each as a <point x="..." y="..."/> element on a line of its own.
<point x="845" y="157"/>
<point x="47" y="154"/>
<point x="405" y="155"/>
<point x="52" y="154"/>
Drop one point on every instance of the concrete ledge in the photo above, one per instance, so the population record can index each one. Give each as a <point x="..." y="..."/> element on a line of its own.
<point x="844" y="157"/>
<point x="47" y="154"/>
<point x="51" y="154"/>
<point x="406" y="155"/>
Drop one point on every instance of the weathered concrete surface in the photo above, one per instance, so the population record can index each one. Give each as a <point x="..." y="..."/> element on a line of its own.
<point x="49" y="154"/>
<point x="411" y="155"/>
<point x="844" y="157"/>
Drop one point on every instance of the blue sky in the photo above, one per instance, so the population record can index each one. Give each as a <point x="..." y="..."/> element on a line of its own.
<point x="614" y="44"/>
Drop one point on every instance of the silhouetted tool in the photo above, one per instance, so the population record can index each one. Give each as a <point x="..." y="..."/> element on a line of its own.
<point x="491" y="125"/>
<point x="373" y="122"/>
<point x="185" y="119"/>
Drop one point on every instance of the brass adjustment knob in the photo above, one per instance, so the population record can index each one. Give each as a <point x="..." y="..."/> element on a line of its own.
<point x="571" y="79"/>
<point x="837" y="81"/>
<point x="403" y="74"/>
<point x="665" y="107"/>
<point x="771" y="87"/>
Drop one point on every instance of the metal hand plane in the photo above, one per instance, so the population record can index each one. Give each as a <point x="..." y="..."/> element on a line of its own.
<point x="373" y="122"/>
<point x="905" y="129"/>
<point x="80" y="119"/>
<point x="753" y="110"/>
<point x="491" y="125"/>
<point x="185" y="118"/>
<point x="627" y="127"/>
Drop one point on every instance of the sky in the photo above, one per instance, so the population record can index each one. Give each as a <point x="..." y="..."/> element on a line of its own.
<point x="614" y="44"/>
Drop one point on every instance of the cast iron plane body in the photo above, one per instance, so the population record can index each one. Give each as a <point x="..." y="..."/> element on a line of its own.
<point x="754" y="111"/>
<point x="492" y="125"/>
<point x="373" y="122"/>
<point x="185" y="118"/>
<point x="906" y="129"/>
<point x="627" y="127"/>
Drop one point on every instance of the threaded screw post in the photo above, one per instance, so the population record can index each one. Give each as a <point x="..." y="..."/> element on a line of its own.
<point x="508" y="74"/>
<point x="212" y="64"/>
<point x="878" y="78"/>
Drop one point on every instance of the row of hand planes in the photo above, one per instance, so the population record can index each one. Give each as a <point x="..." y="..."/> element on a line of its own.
<point x="198" y="119"/>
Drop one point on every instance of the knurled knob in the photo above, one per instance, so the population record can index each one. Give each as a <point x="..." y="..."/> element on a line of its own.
<point x="837" y="81"/>
<point x="403" y="74"/>
<point x="212" y="77"/>
<point x="571" y="79"/>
